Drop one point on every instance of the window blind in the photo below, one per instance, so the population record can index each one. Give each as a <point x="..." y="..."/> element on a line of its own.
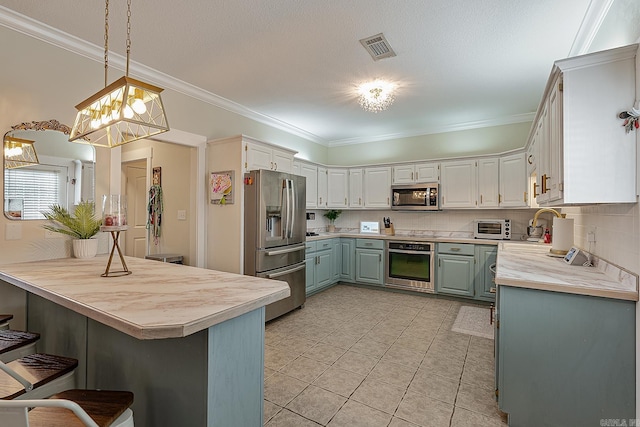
<point x="34" y="189"/>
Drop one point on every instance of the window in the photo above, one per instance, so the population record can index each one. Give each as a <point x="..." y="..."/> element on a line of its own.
<point x="31" y="190"/>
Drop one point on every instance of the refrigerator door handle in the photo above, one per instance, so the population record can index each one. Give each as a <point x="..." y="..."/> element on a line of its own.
<point x="285" y="209"/>
<point x="285" y="251"/>
<point x="293" y="207"/>
<point x="283" y="273"/>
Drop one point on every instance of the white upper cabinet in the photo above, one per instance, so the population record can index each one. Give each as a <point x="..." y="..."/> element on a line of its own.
<point x="458" y="184"/>
<point x="310" y="172"/>
<point x="323" y="187"/>
<point x="488" y="182"/>
<point x="377" y="187"/>
<point x="585" y="155"/>
<point x="513" y="181"/>
<point x="355" y="188"/>
<point x="338" y="183"/>
<point x="266" y="156"/>
<point x="415" y="173"/>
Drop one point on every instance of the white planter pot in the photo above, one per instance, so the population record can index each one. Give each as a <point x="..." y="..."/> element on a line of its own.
<point x="85" y="248"/>
<point x="331" y="228"/>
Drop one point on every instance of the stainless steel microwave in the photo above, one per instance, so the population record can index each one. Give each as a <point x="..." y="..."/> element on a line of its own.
<point x="493" y="229"/>
<point x="416" y="197"/>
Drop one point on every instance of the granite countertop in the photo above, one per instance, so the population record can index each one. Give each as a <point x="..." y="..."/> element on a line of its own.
<point x="417" y="236"/>
<point x="529" y="266"/>
<point x="158" y="300"/>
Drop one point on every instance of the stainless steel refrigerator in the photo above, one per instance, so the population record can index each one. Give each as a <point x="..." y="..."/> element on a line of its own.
<point x="275" y="231"/>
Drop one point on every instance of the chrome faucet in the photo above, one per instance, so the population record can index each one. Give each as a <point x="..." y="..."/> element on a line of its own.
<point x="553" y="211"/>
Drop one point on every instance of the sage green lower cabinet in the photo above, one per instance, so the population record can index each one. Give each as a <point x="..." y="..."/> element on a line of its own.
<point x="337" y="260"/>
<point x="455" y="269"/>
<point x="310" y="264"/>
<point x="370" y="261"/>
<point x="347" y="259"/>
<point x="486" y="255"/>
<point x="564" y="359"/>
<point x="321" y="264"/>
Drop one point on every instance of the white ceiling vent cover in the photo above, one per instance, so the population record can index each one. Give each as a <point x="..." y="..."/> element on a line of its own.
<point x="378" y="47"/>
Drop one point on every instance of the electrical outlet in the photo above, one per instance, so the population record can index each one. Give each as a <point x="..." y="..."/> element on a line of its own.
<point x="591" y="237"/>
<point x="182" y="215"/>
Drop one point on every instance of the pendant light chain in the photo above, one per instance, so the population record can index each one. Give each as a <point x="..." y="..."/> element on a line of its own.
<point x="106" y="41"/>
<point x="128" y="35"/>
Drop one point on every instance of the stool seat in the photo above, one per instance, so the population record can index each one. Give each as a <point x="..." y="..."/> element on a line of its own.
<point x="39" y="369"/>
<point x="11" y="340"/>
<point x="103" y="406"/>
<point x="4" y="320"/>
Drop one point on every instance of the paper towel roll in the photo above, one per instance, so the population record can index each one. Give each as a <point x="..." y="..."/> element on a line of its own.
<point x="562" y="236"/>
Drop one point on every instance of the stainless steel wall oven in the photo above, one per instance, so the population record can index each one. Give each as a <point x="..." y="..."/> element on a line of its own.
<point x="410" y="265"/>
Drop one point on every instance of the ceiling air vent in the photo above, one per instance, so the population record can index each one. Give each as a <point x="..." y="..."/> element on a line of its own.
<point x="378" y="47"/>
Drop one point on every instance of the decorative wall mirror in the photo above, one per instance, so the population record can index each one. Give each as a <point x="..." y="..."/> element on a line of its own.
<point x="41" y="168"/>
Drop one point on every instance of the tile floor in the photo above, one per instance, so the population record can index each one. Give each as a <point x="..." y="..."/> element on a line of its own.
<point x="365" y="357"/>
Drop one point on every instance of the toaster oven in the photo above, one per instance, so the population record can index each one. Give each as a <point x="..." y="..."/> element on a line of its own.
<point x="493" y="229"/>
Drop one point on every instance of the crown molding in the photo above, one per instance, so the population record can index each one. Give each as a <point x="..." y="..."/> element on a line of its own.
<point x="593" y="18"/>
<point x="517" y="118"/>
<point x="41" y="31"/>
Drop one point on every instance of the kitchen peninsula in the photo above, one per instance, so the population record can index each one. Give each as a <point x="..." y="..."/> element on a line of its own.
<point x="188" y="342"/>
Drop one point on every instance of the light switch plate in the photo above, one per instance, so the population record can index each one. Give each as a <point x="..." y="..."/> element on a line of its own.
<point x="182" y="215"/>
<point x="13" y="231"/>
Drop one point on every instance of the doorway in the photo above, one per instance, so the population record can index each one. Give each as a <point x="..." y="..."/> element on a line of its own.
<point x="135" y="188"/>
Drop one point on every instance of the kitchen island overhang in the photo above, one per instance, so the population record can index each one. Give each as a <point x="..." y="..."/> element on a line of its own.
<point x="188" y="342"/>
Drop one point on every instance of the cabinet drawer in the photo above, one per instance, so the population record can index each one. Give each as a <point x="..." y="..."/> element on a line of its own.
<point x="370" y="243"/>
<point x="322" y="245"/>
<point x="456" y="248"/>
<point x="309" y="247"/>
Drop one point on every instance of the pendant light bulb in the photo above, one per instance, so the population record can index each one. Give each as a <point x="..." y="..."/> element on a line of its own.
<point x="138" y="106"/>
<point x="128" y="112"/>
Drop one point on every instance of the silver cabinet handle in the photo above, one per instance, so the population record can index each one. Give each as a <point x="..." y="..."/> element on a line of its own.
<point x="379" y="257"/>
<point x="286" y="251"/>
<point x="283" y="273"/>
<point x="455" y="249"/>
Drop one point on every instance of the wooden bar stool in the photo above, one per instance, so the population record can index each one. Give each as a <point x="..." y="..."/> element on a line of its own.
<point x="4" y="320"/>
<point x="16" y="344"/>
<point x="36" y="376"/>
<point x="71" y="408"/>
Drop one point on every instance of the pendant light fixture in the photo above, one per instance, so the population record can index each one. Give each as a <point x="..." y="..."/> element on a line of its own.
<point x="122" y="112"/>
<point x="19" y="152"/>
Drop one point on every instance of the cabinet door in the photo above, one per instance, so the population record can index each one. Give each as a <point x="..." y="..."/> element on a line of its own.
<point x="310" y="264"/>
<point x="485" y="256"/>
<point x="403" y="174"/>
<point x="338" y="182"/>
<point x="455" y="275"/>
<point x="323" y="187"/>
<point x="513" y="181"/>
<point x="282" y="161"/>
<point x="488" y="182"/>
<point x="377" y="187"/>
<point x="297" y="167"/>
<point x="348" y="260"/>
<point x="369" y="266"/>
<point x="555" y="159"/>
<point x="324" y="271"/>
<point x="427" y="172"/>
<point x="257" y="157"/>
<point x="310" y="172"/>
<point x="458" y="184"/>
<point x="337" y="259"/>
<point x="542" y="142"/>
<point x="355" y="188"/>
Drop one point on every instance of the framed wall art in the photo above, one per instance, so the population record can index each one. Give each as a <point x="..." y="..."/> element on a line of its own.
<point x="221" y="187"/>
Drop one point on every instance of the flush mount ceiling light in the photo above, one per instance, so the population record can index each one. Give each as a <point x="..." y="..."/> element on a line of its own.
<point x="122" y="112"/>
<point x="376" y="96"/>
<point x="19" y="153"/>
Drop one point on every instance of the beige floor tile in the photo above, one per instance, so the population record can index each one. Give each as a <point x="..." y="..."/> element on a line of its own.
<point x="276" y="357"/>
<point x="376" y="394"/>
<point x="446" y="367"/>
<point x="325" y="353"/>
<point x="465" y="418"/>
<point x="281" y="389"/>
<point x="296" y="344"/>
<point x="392" y="373"/>
<point x="442" y="350"/>
<point x="381" y="336"/>
<point x="481" y="374"/>
<point x="272" y="337"/>
<point x="413" y="343"/>
<point x="478" y="399"/>
<point x="268" y="372"/>
<point x="399" y="422"/>
<point x="370" y="347"/>
<point x="287" y="418"/>
<point x="304" y="369"/>
<point x="424" y="411"/>
<point x="434" y="386"/>
<point x="339" y="381"/>
<point x="403" y="356"/>
<point x="356" y="362"/>
<point x="317" y="404"/>
<point x="354" y="414"/>
<point x="270" y="410"/>
<point x="341" y="339"/>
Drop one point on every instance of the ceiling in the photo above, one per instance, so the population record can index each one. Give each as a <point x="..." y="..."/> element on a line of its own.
<point x="294" y="64"/>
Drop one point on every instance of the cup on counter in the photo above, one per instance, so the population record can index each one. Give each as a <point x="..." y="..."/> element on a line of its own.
<point x="114" y="210"/>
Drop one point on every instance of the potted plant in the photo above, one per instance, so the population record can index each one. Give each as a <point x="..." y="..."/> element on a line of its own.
<point x="82" y="225"/>
<point x="332" y="215"/>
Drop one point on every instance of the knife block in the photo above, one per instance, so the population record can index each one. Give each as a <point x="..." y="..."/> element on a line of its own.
<point x="390" y="231"/>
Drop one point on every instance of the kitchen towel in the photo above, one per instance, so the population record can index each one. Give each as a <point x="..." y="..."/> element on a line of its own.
<point x="474" y="321"/>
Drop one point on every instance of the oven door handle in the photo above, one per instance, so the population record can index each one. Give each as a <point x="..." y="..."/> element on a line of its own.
<point x="397" y="251"/>
<point x="283" y="273"/>
<point x="285" y="251"/>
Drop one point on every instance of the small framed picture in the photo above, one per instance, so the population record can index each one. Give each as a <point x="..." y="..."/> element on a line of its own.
<point x="370" y="227"/>
<point x="221" y="187"/>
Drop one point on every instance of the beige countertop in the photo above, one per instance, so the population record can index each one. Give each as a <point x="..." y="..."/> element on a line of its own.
<point x="158" y="300"/>
<point x="529" y="266"/>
